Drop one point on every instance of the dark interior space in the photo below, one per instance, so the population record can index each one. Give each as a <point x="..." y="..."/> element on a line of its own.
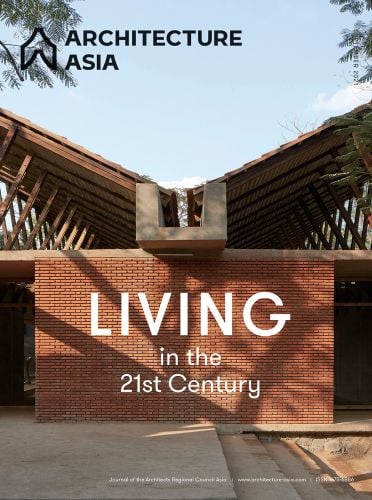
<point x="17" y="345"/>
<point x="353" y="343"/>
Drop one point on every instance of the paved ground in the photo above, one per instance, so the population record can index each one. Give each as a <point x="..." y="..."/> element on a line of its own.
<point x="171" y="461"/>
<point x="110" y="460"/>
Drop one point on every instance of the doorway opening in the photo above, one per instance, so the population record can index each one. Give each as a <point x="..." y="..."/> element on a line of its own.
<point x="353" y="345"/>
<point x="17" y="344"/>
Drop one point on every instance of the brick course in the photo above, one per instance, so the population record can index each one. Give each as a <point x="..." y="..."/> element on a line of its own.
<point x="78" y="375"/>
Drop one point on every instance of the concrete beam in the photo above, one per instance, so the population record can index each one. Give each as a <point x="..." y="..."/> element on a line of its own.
<point x="349" y="264"/>
<point x="152" y="235"/>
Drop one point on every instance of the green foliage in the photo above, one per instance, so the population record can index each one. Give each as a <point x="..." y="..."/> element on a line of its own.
<point x="352" y="168"/>
<point x="356" y="7"/>
<point x="181" y="194"/>
<point x="57" y="17"/>
<point x="358" y="40"/>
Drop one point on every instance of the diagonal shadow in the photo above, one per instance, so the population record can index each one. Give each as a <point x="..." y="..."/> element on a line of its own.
<point x="196" y="407"/>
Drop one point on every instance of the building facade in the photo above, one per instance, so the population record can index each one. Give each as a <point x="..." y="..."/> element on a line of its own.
<point x="257" y="312"/>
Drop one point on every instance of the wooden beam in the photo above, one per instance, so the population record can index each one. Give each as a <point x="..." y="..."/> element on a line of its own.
<point x="40" y="234"/>
<point x="106" y="226"/>
<point x="55" y="224"/>
<point x="290" y="244"/>
<point x="118" y="175"/>
<point x="26" y="210"/>
<point x="82" y="237"/>
<point x="355" y="223"/>
<point x="44" y="229"/>
<point x="282" y="242"/>
<point x="73" y="234"/>
<point x="13" y="221"/>
<point x="64" y="228"/>
<point x="359" y="223"/>
<point x="7" y="142"/>
<point x="14" y="187"/>
<point x="52" y="239"/>
<point x="293" y="228"/>
<point x="41" y="219"/>
<point x="3" y="225"/>
<point x="307" y="233"/>
<point x="346" y="217"/>
<point x="332" y="236"/>
<point x="90" y="241"/>
<point x="23" y="230"/>
<point x="31" y="226"/>
<point x="96" y="243"/>
<point x="314" y="224"/>
<point x="328" y="218"/>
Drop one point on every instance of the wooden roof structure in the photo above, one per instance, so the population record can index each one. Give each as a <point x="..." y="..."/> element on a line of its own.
<point x="57" y="195"/>
<point x="281" y="199"/>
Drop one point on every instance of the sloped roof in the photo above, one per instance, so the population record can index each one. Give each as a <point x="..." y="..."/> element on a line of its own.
<point x="103" y="192"/>
<point x="265" y="196"/>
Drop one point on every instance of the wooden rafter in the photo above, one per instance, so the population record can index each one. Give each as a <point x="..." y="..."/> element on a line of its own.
<point x="41" y="219"/>
<point x="13" y="221"/>
<point x="26" y="210"/>
<point x="90" y="241"/>
<point x="31" y="226"/>
<point x="346" y="217"/>
<point x="328" y="218"/>
<point x="296" y="234"/>
<point x="96" y="243"/>
<point x="64" y="227"/>
<point x="3" y="225"/>
<point x="82" y="237"/>
<point x="23" y="230"/>
<point x="305" y="230"/>
<point x="55" y="225"/>
<point x="73" y="234"/>
<point x="314" y="224"/>
<point x="7" y="142"/>
<point x="5" y="205"/>
<point x="358" y="193"/>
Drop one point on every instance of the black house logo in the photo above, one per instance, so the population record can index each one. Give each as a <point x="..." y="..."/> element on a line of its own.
<point x="29" y="52"/>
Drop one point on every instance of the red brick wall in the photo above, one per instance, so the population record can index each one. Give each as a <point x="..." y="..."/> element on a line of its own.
<point x="78" y="375"/>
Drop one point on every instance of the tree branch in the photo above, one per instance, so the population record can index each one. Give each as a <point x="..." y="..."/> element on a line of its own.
<point x="14" y="64"/>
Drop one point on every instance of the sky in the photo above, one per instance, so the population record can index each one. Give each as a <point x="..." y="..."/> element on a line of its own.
<point x="185" y="114"/>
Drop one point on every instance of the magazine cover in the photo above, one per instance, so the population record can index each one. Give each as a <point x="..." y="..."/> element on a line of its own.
<point x="185" y="249"/>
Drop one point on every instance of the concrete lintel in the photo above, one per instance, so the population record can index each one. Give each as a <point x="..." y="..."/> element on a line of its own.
<point x="151" y="233"/>
<point x="339" y="256"/>
<point x="349" y="264"/>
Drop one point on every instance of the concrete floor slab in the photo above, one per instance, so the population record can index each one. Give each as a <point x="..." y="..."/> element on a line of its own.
<point x="109" y="460"/>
